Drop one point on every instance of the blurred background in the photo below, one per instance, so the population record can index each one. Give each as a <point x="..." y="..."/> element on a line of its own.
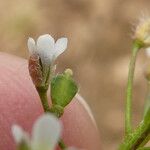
<point x="100" y="37"/>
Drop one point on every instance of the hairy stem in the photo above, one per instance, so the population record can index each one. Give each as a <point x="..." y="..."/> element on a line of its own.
<point x="128" y="126"/>
<point x="147" y="100"/>
<point x="44" y="100"/>
<point x="144" y="148"/>
<point x="146" y="109"/>
<point x="145" y="141"/>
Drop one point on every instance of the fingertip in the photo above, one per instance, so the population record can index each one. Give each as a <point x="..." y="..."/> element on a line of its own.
<point x="23" y="107"/>
<point x="80" y="128"/>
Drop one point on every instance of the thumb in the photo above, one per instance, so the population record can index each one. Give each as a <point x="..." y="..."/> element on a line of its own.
<point x="20" y="104"/>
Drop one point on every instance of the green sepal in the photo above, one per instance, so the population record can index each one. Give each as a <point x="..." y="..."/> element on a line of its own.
<point x="63" y="89"/>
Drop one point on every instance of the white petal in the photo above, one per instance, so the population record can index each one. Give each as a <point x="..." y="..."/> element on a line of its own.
<point x="45" y="47"/>
<point x="19" y="135"/>
<point x="31" y="46"/>
<point x="148" y="52"/>
<point x="46" y="132"/>
<point x="147" y="40"/>
<point x="60" y="46"/>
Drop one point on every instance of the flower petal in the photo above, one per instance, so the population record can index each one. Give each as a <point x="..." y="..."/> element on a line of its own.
<point x="45" y="48"/>
<point x="31" y="46"/>
<point x="19" y="135"/>
<point x="148" y="52"/>
<point x="60" y="46"/>
<point x="46" y="132"/>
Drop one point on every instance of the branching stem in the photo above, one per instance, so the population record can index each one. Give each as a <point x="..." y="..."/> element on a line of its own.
<point x="134" y="140"/>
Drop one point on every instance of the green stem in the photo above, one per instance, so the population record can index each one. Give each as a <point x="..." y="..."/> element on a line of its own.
<point x="44" y="100"/>
<point x="62" y="144"/>
<point x="146" y="109"/>
<point x="128" y="127"/>
<point x="144" y="148"/>
<point x="43" y="96"/>
<point x="145" y="141"/>
<point x="134" y="140"/>
<point x="147" y="100"/>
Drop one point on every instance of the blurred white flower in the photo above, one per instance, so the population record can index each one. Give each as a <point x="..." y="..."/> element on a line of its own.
<point x="148" y="52"/>
<point x="46" y="47"/>
<point x="20" y="135"/>
<point x="45" y="134"/>
<point x="142" y="32"/>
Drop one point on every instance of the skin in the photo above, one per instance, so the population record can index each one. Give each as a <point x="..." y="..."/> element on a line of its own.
<point x="20" y="104"/>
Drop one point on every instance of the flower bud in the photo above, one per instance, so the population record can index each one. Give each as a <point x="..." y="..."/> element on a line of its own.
<point x="63" y="88"/>
<point x="69" y="72"/>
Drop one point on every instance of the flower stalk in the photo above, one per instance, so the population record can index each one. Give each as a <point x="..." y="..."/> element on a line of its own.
<point x="128" y="121"/>
<point x="41" y="63"/>
<point x="44" y="100"/>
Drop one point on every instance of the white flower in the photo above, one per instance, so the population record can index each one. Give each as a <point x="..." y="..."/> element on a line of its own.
<point x="47" y="49"/>
<point x="148" y="52"/>
<point x="142" y="31"/>
<point x="45" y="134"/>
<point x="19" y="135"/>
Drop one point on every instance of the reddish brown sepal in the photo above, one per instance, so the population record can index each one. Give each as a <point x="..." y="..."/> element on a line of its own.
<point x="35" y="70"/>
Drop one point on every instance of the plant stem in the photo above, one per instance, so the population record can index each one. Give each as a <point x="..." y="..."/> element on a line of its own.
<point x="147" y="99"/>
<point x="145" y="141"/>
<point x="146" y="109"/>
<point x="134" y="140"/>
<point x="62" y="144"/>
<point x="44" y="100"/>
<point x="43" y="96"/>
<point x="144" y="148"/>
<point x="128" y="127"/>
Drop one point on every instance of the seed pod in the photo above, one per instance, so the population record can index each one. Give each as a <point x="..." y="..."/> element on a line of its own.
<point x="63" y="89"/>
